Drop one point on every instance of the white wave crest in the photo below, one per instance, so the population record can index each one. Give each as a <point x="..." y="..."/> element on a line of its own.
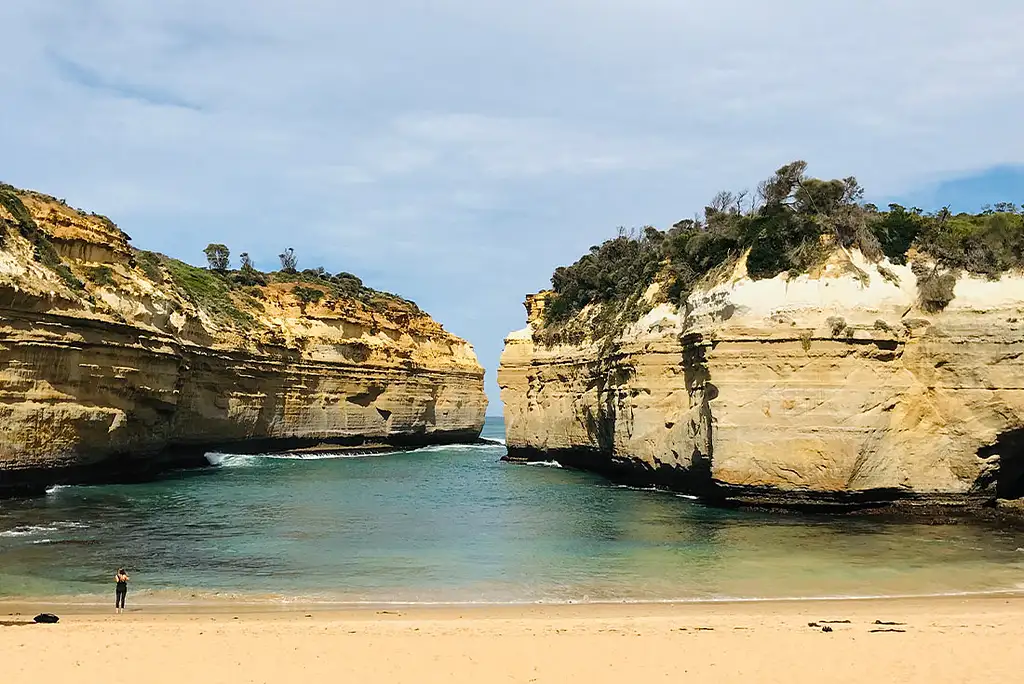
<point x="224" y="460"/>
<point x="32" y="530"/>
<point x="545" y="464"/>
<point x="55" y="489"/>
<point x="656" y="490"/>
<point x="231" y="460"/>
<point x="245" y="460"/>
<point x="27" y="530"/>
<point x="454" y="447"/>
<point x="318" y="456"/>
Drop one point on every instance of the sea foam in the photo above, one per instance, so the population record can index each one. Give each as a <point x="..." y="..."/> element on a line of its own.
<point x="28" y="530"/>
<point x="248" y="460"/>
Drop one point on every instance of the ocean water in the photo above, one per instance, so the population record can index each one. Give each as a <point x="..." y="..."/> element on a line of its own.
<point x="453" y="525"/>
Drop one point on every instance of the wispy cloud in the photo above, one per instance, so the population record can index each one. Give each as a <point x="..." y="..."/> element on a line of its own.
<point x="503" y="147"/>
<point x="82" y="75"/>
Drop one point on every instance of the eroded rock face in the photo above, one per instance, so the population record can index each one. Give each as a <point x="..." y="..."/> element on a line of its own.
<point x="129" y="375"/>
<point x="828" y="388"/>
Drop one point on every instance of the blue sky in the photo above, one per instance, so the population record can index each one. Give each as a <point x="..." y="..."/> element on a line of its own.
<point x="457" y="151"/>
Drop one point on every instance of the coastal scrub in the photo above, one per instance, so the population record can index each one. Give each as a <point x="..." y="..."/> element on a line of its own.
<point x="790" y="225"/>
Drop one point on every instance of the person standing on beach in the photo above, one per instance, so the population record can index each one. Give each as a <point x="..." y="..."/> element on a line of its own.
<point x="122" y="589"/>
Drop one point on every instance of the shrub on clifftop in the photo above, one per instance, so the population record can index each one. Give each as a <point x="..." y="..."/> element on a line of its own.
<point x="790" y="225"/>
<point x="248" y="275"/>
<point x="289" y="262"/>
<point x="208" y="290"/>
<point x="231" y="298"/>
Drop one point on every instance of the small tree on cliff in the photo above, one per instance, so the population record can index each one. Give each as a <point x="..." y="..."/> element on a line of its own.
<point x="218" y="257"/>
<point x="289" y="262"/>
<point x="247" y="274"/>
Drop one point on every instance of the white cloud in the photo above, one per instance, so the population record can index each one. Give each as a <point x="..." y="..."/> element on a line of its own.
<point x="504" y="147"/>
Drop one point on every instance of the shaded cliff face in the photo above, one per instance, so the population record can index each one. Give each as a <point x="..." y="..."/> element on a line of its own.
<point x="828" y="388"/>
<point x="120" y="363"/>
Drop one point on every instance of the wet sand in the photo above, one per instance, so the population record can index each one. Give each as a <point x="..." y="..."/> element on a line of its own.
<point x="935" y="640"/>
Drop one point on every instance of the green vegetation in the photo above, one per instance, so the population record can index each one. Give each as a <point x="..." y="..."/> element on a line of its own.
<point x="101" y="275"/>
<point x="790" y="225"/>
<point x="228" y="295"/>
<point x="307" y="295"/>
<point x="44" y="251"/>
<point x="218" y="257"/>
<point x="289" y="262"/>
<point x="207" y="289"/>
<point x="149" y="264"/>
<point x="247" y="275"/>
<point x="341" y="286"/>
<point x="837" y="324"/>
<point x="220" y="292"/>
<point x="12" y="203"/>
<point x="934" y="287"/>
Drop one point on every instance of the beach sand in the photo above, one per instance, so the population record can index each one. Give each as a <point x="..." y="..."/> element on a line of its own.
<point x="944" y="640"/>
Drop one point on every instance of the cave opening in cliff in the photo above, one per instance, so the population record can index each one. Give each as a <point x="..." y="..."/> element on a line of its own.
<point x="1009" y="447"/>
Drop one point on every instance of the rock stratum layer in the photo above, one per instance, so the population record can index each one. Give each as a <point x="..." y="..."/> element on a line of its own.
<point x="832" y="388"/>
<point x="113" y="369"/>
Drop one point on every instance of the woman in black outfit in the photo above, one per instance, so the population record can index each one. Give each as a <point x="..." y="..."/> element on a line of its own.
<point x="122" y="589"/>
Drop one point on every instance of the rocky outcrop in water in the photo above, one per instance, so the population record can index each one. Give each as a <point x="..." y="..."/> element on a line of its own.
<point x="116" y="363"/>
<point x="830" y="388"/>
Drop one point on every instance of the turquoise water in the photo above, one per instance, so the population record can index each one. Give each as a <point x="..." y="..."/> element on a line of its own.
<point x="453" y="524"/>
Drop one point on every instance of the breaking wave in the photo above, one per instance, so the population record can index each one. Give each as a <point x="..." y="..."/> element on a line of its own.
<point x="244" y="460"/>
<point x="223" y="460"/>
<point x="454" y="447"/>
<point x="31" y="530"/>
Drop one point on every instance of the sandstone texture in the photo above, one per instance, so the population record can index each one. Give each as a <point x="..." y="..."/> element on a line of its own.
<point x="120" y="369"/>
<point x="831" y="388"/>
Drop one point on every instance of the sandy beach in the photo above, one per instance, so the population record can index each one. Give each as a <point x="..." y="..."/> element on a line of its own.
<point x="934" y="640"/>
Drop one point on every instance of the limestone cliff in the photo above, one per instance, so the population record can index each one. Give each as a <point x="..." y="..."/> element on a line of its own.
<point x="119" y="363"/>
<point x="833" y="387"/>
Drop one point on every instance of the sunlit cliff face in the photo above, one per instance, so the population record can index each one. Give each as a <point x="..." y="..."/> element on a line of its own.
<point x="112" y="358"/>
<point x="834" y="387"/>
